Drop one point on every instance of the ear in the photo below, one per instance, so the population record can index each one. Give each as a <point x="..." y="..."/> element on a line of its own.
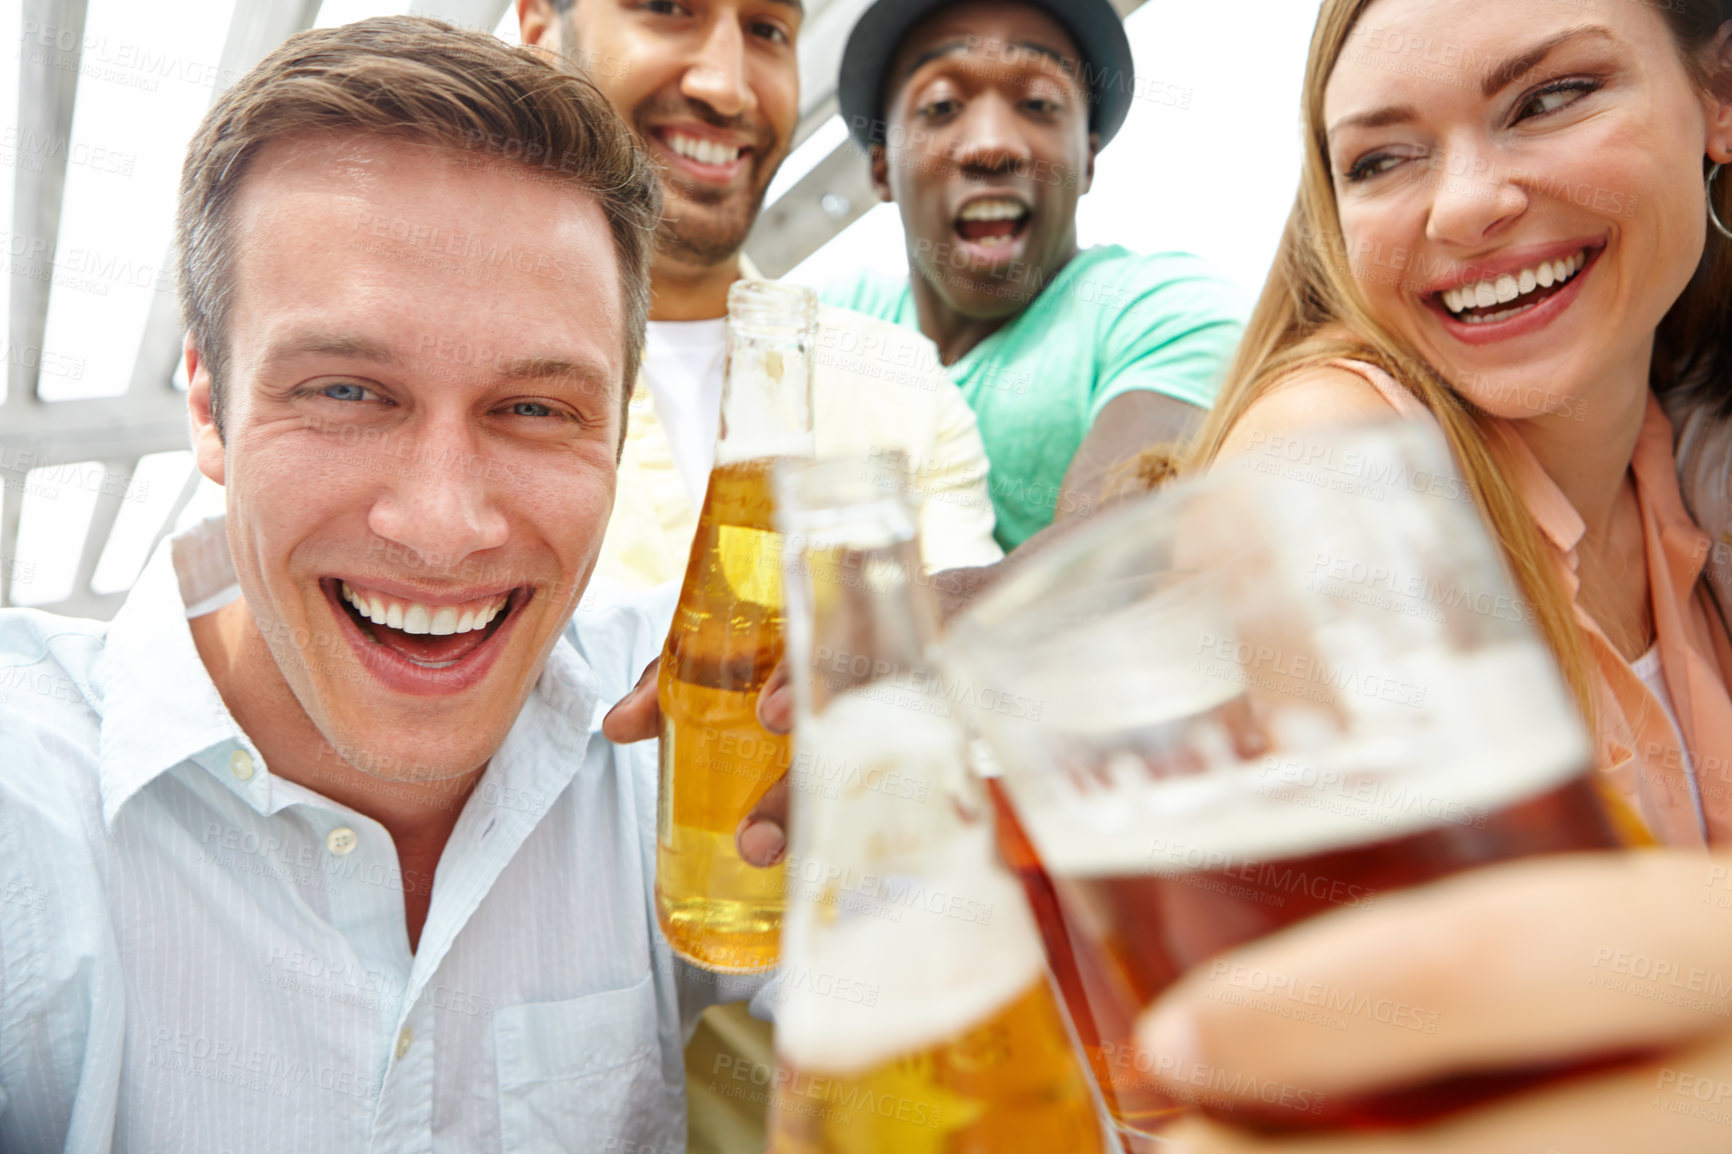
<point x="878" y="159"/>
<point x="1088" y="178"/>
<point x="1720" y="96"/>
<point x="538" y="24"/>
<point x="207" y="443"/>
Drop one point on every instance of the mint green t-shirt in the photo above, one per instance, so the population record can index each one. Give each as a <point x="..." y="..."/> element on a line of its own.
<point x="1109" y="322"/>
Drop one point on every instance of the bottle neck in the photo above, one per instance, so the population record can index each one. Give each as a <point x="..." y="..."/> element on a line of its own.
<point x="858" y="610"/>
<point x="767" y="377"/>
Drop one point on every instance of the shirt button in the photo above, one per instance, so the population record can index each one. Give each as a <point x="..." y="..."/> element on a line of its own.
<point x="241" y="764"/>
<point x="341" y="840"/>
<point x="403" y="1041"/>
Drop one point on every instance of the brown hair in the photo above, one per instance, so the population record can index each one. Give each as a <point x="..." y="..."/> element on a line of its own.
<point x="419" y="80"/>
<point x="1311" y="312"/>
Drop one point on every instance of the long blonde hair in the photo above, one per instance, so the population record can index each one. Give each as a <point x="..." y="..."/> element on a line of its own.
<point x="1311" y="300"/>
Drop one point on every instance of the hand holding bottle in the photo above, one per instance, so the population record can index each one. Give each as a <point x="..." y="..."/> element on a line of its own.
<point x="762" y="836"/>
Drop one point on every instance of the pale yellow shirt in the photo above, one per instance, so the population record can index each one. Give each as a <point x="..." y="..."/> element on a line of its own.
<point x="875" y="387"/>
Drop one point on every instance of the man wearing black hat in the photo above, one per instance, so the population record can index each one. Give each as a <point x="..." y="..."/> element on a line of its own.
<point x="982" y="121"/>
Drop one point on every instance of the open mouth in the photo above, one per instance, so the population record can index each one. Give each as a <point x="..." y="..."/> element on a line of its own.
<point x="435" y="643"/>
<point x="992" y="222"/>
<point x="1509" y="295"/>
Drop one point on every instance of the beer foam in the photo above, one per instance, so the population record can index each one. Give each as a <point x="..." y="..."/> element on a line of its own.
<point x="902" y="929"/>
<point x="1459" y="736"/>
<point x="737" y="447"/>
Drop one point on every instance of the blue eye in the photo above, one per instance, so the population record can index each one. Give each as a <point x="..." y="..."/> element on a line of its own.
<point x="530" y="409"/>
<point x="344" y="392"/>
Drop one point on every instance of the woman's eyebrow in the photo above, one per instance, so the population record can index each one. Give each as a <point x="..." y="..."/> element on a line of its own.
<point x="1377" y="118"/>
<point x="1495" y="81"/>
<point x="1518" y="66"/>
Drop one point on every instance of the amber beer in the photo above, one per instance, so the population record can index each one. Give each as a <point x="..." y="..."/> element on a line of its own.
<point x="1115" y="943"/>
<point x="1009" y="1085"/>
<point x="1266" y="694"/>
<point x="950" y="1039"/>
<point x="725" y="640"/>
<point x="1124" y="915"/>
<point x="726" y="637"/>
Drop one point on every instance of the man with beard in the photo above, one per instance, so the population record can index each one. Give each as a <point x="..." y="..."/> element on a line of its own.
<point x="712" y="89"/>
<point x="982" y="121"/>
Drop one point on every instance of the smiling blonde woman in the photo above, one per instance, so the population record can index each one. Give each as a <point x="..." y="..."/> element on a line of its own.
<point x="1503" y="227"/>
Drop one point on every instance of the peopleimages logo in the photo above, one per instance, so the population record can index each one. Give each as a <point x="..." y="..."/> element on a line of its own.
<point x="1298" y="674"/>
<point x="1410" y="593"/>
<point x="1371" y="470"/>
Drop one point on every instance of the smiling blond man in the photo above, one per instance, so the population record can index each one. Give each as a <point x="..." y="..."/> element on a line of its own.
<point x="318" y="846"/>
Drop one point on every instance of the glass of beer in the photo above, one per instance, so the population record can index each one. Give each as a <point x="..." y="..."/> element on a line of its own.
<point x="1253" y="698"/>
<point x="716" y="760"/>
<point x="915" y="1011"/>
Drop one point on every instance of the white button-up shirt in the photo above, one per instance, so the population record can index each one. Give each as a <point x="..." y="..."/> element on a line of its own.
<point x="196" y="954"/>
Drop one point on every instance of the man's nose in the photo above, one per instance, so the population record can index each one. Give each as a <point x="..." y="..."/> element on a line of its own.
<point x="442" y="502"/>
<point x="990" y="139"/>
<point x="716" y="75"/>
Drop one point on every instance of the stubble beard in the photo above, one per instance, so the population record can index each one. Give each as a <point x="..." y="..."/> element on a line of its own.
<point x="708" y="237"/>
<point x="702" y="225"/>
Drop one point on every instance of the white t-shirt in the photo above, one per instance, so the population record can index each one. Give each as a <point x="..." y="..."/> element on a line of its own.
<point x="682" y="366"/>
<point x="1647" y="667"/>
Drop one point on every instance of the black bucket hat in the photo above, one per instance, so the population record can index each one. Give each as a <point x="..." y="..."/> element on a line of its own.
<point x="1093" y="25"/>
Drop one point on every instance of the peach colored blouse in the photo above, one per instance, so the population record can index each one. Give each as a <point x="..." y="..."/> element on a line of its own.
<point x="1638" y="748"/>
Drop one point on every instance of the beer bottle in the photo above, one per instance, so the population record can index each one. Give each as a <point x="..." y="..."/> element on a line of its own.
<point x="915" y="1012"/>
<point x="716" y="761"/>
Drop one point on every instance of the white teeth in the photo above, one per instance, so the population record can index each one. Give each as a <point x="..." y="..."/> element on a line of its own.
<point x="703" y="150"/>
<point x="1511" y="286"/>
<point x="999" y="208"/>
<point x="417" y="620"/>
<point x="436" y="620"/>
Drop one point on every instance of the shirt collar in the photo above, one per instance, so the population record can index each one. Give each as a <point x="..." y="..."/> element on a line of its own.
<point x="161" y="708"/>
<point x="1685" y="543"/>
<point x="1556" y="517"/>
<point x="1656" y="477"/>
